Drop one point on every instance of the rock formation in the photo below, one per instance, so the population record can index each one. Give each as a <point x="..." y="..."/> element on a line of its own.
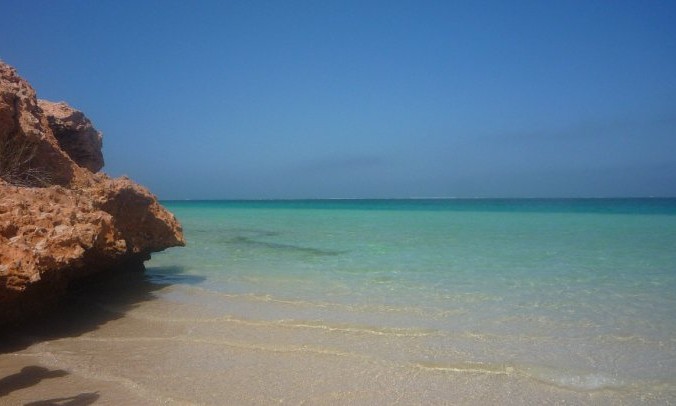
<point x="60" y="220"/>
<point x="75" y="134"/>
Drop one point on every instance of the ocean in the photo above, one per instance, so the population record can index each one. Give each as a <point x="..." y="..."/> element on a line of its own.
<point x="578" y="294"/>
<point x="440" y="301"/>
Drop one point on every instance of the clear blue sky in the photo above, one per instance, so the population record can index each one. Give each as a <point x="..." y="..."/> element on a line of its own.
<point x="312" y="99"/>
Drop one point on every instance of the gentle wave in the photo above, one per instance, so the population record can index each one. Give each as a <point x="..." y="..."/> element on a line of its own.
<point x="316" y="304"/>
<point x="286" y="323"/>
<point x="227" y="343"/>
<point x="565" y="379"/>
<point x="320" y="324"/>
<point x="556" y="377"/>
<point x="471" y="367"/>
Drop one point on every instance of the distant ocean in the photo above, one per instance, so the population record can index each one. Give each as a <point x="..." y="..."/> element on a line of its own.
<point x="578" y="294"/>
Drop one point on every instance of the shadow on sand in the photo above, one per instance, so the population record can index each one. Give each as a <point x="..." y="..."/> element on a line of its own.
<point x="83" y="399"/>
<point x="27" y="377"/>
<point x="81" y="311"/>
<point x="32" y="375"/>
<point x="84" y="308"/>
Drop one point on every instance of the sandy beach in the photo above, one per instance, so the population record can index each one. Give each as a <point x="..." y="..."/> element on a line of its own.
<point x="124" y="344"/>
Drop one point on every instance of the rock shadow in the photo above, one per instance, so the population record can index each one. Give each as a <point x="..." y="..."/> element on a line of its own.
<point x="82" y="399"/>
<point x="27" y="377"/>
<point x="88" y="302"/>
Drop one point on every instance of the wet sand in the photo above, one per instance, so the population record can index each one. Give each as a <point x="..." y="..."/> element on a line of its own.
<point x="128" y="343"/>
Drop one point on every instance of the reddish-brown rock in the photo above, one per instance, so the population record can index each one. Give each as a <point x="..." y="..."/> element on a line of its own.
<point x="75" y="134"/>
<point x="59" y="220"/>
<point x="30" y="155"/>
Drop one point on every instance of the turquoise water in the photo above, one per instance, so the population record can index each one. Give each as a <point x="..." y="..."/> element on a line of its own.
<point x="579" y="294"/>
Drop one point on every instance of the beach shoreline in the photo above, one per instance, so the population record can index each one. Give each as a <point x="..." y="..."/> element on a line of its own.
<point x="164" y="359"/>
<point x="125" y="360"/>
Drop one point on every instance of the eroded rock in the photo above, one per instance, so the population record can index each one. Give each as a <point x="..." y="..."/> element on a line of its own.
<point x="75" y="134"/>
<point x="59" y="220"/>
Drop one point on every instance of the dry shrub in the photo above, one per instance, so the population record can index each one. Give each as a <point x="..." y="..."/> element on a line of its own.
<point x="16" y="158"/>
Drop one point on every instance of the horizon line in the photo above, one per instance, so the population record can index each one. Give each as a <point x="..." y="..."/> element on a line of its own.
<point x="418" y="198"/>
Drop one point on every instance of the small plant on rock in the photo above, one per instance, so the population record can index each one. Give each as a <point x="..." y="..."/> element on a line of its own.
<point x="16" y="157"/>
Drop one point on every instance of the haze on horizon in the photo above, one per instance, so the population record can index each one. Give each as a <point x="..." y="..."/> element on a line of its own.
<point x="359" y="99"/>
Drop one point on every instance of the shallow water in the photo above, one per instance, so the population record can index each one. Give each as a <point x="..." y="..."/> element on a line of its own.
<point x="417" y="302"/>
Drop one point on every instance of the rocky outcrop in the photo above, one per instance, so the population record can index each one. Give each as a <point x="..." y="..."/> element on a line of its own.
<point x="75" y="134"/>
<point x="29" y="152"/>
<point x="60" y="220"/>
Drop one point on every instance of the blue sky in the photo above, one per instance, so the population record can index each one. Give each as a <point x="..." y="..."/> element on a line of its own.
<point x="317" y="99"/>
